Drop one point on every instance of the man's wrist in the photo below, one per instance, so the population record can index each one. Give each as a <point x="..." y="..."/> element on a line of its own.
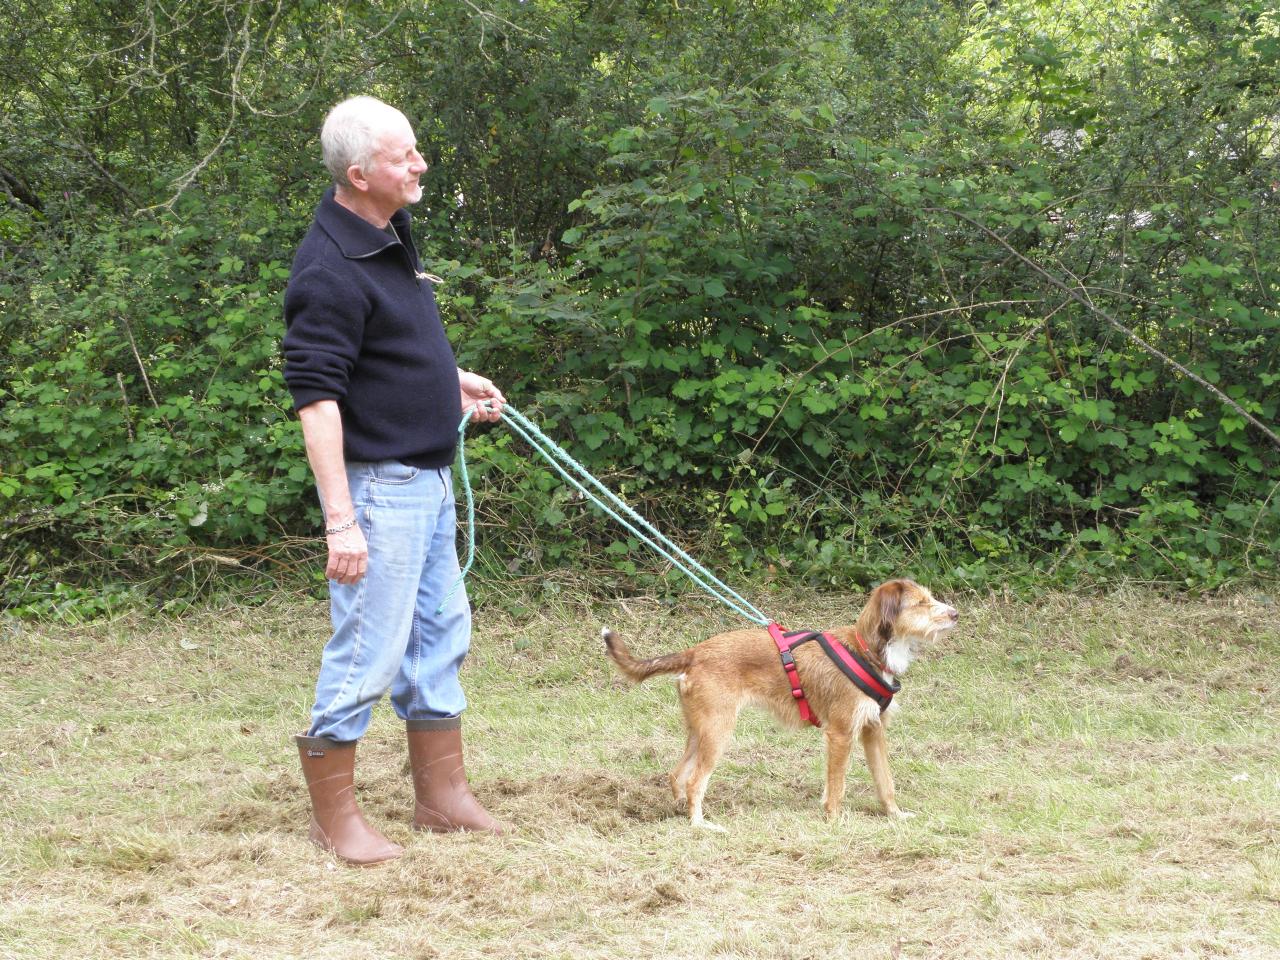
<point x="340" y="527"/>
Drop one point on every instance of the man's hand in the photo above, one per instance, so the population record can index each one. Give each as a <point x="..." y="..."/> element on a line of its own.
<point x="348" y="556"/>
<point x="475" y="389"/>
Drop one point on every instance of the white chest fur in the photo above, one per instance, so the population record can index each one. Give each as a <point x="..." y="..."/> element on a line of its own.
<point x="898" y="655"/>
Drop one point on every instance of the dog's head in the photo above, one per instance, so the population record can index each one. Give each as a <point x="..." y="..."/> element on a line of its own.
<point x="900" y="617"/>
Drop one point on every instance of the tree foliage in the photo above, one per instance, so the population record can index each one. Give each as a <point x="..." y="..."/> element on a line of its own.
<point x="985" y="293"/>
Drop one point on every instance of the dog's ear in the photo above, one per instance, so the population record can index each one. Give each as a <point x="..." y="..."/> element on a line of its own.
<point x="888" y="604"/>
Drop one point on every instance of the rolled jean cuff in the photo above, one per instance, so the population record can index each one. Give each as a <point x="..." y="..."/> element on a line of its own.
<point x="440" y="723"/>
<point x="322" y="743"/>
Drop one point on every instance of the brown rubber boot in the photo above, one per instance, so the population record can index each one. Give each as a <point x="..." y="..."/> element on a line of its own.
<point x="444" y="802"/>
<point x="336" y="821"/>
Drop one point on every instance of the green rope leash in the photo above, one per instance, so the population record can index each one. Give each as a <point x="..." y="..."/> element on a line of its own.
<point x="608" y="502"/>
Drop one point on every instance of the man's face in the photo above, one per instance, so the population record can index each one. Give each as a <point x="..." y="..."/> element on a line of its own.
<point x="394" y="168"/>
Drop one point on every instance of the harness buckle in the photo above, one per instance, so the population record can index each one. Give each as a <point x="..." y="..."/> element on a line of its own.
<point x="787" y="659"/>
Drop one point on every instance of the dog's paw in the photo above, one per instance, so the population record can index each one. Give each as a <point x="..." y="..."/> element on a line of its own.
<point x="900" y="814"/>
<point x="702" y="824"/>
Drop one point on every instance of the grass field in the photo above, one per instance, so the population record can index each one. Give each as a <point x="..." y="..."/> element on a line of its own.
<point x="1092" y="778"/>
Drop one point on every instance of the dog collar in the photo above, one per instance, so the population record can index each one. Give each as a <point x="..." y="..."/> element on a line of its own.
<point x="878" y="664"/>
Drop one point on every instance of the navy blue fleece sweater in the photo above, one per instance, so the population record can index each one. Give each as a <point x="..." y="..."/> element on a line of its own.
<point x="362" y="328"/>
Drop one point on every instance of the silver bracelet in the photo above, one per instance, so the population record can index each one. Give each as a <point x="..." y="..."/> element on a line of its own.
<point x="328" y="531"/>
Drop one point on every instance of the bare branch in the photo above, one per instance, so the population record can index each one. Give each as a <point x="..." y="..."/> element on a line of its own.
<point x="1087" y="302"/>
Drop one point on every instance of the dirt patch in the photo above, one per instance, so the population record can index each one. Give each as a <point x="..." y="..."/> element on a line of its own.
<point x="1125" y="666"/>
<point x="601" y="800"/>
<point x="275" y="803"/>
<point x="663" y="895"/>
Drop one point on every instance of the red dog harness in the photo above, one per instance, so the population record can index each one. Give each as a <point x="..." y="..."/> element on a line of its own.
<point x="853" y="665"/>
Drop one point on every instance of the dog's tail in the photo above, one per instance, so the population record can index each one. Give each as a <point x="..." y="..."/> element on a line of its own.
<point x="638" y="670"/>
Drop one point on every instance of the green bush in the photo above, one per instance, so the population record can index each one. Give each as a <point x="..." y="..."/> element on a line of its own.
<point x="791" y="277"/>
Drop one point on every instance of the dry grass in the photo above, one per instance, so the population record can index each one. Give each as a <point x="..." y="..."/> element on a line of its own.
<point x="1093" y="778"/>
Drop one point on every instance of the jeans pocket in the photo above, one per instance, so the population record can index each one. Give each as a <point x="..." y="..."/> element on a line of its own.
<point x="392" y="471"/>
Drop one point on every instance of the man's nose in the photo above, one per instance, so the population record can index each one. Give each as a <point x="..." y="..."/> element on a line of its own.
<point x="419" y="164"/>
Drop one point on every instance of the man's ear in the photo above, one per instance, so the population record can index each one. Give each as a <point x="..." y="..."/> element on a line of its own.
<point x="357" y="179"/>
<point x="888" y="601"/>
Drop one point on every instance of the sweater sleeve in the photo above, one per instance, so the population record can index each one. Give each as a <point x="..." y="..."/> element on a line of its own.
<point x="324" y="326"/>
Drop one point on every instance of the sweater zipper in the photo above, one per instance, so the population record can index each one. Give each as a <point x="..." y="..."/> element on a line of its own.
<point x="418" y="275"/>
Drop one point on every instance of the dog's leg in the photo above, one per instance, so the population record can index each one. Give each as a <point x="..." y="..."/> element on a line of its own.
<point x="712" y="736"/>
<point x="680" y="775"/>
<point x="877" y="750"/>
<point x="839" y="745"/>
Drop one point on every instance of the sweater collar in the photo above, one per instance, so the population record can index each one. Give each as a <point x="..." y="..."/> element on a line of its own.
<point x="356" y="237"/>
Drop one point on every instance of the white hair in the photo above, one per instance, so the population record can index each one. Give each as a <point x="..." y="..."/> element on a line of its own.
<point x="351" y="132"/>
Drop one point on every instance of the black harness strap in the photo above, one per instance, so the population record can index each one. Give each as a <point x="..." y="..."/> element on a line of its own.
<point x="853" y="665"/>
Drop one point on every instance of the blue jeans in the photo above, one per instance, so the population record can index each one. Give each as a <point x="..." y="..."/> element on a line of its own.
<point x="386" y="632"/>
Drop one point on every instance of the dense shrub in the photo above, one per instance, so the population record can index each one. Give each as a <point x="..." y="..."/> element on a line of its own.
<point x="836" y="291"/>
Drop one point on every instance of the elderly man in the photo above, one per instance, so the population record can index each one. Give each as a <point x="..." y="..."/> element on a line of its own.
<point x="380" y="396"/>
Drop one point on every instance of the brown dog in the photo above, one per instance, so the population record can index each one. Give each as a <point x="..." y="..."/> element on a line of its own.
<point x="720" y="675"/>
